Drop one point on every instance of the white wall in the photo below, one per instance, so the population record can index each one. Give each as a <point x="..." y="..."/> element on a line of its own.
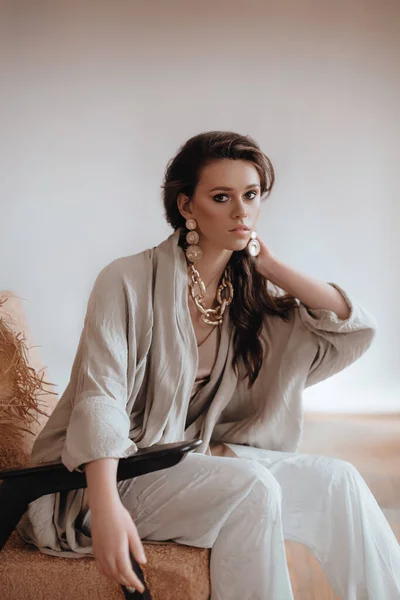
<point x="97" y="97"/>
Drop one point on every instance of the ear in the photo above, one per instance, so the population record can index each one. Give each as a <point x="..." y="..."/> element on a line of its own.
<point x="184" y="204"/>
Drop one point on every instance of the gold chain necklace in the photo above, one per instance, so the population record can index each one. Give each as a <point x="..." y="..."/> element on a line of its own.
<point x="211" y="316"/>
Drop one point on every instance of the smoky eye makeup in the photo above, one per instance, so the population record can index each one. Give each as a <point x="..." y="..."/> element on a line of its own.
<point x="251" y="194"/>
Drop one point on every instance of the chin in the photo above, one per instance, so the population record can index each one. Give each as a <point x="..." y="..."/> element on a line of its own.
<point x="238" y="245"/>
<point x="230" y="243"/>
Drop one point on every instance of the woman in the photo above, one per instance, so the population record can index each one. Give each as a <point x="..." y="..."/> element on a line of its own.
<point x="187" y="340"/>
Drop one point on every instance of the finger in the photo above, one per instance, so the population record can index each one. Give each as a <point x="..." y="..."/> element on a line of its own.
<point x="136" y="546"/>
<point x="124" y="579"/>
<point x="126" y="570"/>
<point x="109" y="569"/>
<point x="105" y="566"/>
<point x="131" y="589"/>
<point x="132" y="585"/>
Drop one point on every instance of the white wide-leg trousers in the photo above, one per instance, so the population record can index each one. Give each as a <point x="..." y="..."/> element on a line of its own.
<point x="244" y="508"/>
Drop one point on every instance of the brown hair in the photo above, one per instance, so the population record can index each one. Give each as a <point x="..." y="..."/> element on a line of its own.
<point x="252" y="301"/>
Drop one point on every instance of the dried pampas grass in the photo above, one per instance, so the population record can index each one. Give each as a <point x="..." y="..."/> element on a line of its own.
<point x="21" y="388"/>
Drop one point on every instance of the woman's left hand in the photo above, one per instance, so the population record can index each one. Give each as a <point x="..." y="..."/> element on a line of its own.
<point x="265" y="259"/>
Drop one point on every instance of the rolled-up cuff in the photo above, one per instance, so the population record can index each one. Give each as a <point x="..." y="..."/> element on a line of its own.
<point x="327" y="320"/>
<point x="98" y="428"/>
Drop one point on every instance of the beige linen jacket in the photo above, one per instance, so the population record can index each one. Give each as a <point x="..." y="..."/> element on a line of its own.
<point x="134" y="370"/>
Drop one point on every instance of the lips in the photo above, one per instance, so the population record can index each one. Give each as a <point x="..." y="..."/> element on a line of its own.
<point x="240" y="228"/>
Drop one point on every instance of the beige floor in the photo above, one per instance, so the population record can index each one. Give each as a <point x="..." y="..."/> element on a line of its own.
<point x="372" y="444"/>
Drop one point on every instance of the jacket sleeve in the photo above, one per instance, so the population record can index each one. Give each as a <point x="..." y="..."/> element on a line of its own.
<point x="339" y="342"/>
<point x="99" y="424"/>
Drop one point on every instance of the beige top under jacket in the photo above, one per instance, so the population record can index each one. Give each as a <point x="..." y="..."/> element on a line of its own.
<point x="133" y="375"/>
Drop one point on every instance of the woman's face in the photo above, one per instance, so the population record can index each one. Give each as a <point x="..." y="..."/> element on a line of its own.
<point x="226" y="204"/>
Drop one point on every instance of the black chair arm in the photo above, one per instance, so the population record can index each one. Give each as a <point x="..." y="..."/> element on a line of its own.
<point x="22" y="486"/>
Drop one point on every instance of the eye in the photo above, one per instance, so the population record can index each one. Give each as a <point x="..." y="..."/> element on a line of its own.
<point x="218" y="197"/>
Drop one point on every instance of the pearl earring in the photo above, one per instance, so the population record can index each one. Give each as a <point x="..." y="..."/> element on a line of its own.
<point x="253" y="247"/>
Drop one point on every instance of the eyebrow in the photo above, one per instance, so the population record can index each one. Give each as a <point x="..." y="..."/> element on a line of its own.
<point x="228" y="189"/>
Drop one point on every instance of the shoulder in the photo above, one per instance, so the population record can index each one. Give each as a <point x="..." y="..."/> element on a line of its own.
<point x="123" y="280"/>
<point x="131" y="269"/>
<point x="134" y="273"/>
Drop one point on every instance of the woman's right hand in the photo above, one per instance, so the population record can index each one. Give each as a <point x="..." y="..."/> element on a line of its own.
<point x="114" y="535"/>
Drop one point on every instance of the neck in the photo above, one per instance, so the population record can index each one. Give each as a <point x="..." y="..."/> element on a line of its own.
<point x="212" y="265"/>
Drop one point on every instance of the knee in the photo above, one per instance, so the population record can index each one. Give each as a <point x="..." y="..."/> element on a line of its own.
<point x="344" y="469"/>
<point x="337" y="470"/>
<point x="265" y="492"/>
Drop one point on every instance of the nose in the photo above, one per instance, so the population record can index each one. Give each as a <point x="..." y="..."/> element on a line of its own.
<point x="239" y="210"/>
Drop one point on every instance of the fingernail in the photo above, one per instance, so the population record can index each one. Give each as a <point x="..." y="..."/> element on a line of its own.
<point x="143" y="559"/>
<point x="131" y="590"/>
